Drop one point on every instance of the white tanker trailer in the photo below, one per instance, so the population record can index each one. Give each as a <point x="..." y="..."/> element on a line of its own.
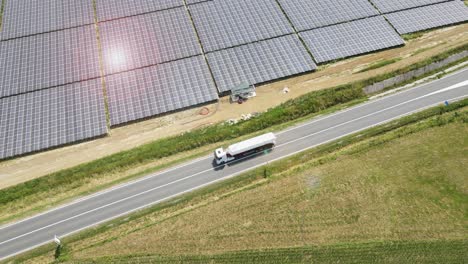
<point x="245" y="148"/>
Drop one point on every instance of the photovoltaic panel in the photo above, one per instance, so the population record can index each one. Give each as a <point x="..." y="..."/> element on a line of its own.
<point x="313" y="14"/>
<point x="47" y="60"/>
<point x="259" y="62"/>
<point x="427" y="17"/>
<point x="111" y="9"/>
<point x="51" y="117"/>
<point x="149" y="39"/>
<point x="386" y="6"/>
<point x="225" y="23"/>
<point x="28" y="17"/>
<point x="159" y="89"/>
<point x="352" y="38"/>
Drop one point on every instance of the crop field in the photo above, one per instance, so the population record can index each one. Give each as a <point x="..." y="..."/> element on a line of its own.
<point x="401" y="196"/>
<point x="373" y="252"/>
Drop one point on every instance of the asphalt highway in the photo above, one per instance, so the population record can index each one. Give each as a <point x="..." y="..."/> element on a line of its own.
<point x="123" y="199"/>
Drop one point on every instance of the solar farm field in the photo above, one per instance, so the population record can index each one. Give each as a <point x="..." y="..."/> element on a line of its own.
<point x="126" y="61"/>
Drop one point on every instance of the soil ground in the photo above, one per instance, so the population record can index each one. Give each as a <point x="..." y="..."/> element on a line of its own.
<point x="122" y="138"/>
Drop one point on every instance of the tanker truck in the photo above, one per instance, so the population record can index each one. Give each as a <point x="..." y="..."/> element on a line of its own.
<point x="245" y="148"/>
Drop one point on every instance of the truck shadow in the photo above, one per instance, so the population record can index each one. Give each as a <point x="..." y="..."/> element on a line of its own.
<point x="217" y="167"/>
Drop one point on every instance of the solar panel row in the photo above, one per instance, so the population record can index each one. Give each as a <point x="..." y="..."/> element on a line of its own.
<point x="51" y="117"/>
<point x="259" y="62"/>
<point x="225" y="23"/>
<point x="158" y="89"/>
<point x="428" y="17"/>
<point x="149" y="39"/>
<point x="25" y="17"/>
<point x="112" y="9"/>
<point x="386" y="6"/>
<point x="47" y="60"/>
<point x="313" y="14"/>
<point x="349" y="39"/>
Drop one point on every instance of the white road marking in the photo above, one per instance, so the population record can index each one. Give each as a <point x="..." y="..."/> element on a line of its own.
<point x="237" y="173"/>
<point x="150" y="176"/>
<point x="234" y="174"/>
<point x="378" y="112"/>
<point x="456" y="86"/>
<point x="370" y="102"/>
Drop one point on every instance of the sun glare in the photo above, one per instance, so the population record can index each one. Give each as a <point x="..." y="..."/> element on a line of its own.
<point x="117" y="58"/>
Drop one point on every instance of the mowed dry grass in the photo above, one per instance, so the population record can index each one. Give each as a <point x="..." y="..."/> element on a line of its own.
<point x="413" y="188"/>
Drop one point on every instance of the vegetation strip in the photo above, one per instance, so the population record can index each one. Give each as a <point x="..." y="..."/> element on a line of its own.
<point x="380" y="64"/>
<point x="302" y="106"/>
<point x="433" y="117"/>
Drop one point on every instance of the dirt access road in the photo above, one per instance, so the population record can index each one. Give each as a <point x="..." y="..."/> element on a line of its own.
<point x="122" y="138"/>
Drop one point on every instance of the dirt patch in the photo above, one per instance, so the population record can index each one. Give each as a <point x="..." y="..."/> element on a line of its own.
<point x="123" y="138"/>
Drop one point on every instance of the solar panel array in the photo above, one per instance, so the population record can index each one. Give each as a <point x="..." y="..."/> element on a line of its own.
<point x="259" y="62"/>
<point x="313" y="14"/>
<point x="153" y="62"/>
<point x="26" y="17"/>
<point x="386" y="6"/>
<point x="427" y="17"/>
<point x="47" y="60"/>
<point x="112" y="9"/>
<point x="51" y="117"/>
<point x="225" y="23"/>
<point x="148" y="39"/>
<point x="352" y="38"/>
<point x="158" y="89"/>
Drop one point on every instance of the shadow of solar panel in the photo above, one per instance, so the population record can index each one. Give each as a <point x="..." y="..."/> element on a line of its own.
<point x="52" y="117"/>
<point x="313" y="14"/>
<point x="148" y="39"/>
<point x="225" y="23"/>
<point x="26" y="17"/>
<point x="428" y="17"/>
<point x="159" y="89"/>
<point x="352" y="38"/>
<point x="48" y="60"/>
<point x="259" y="62"/>
<point x="386" y="6"/>
<point x="112" y="9"/>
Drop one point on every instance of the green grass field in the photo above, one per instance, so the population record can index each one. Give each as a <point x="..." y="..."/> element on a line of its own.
<point x="396" y="194"/>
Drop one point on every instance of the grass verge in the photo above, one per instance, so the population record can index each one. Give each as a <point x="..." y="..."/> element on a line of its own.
<point x="76" y="177"/>
<point x="415" y="35"/>
<point x="166" y="213"/>
<point x="380" y="64"/>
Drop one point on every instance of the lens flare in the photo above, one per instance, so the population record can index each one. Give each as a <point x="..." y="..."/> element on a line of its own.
<point x="117" y="58"/>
